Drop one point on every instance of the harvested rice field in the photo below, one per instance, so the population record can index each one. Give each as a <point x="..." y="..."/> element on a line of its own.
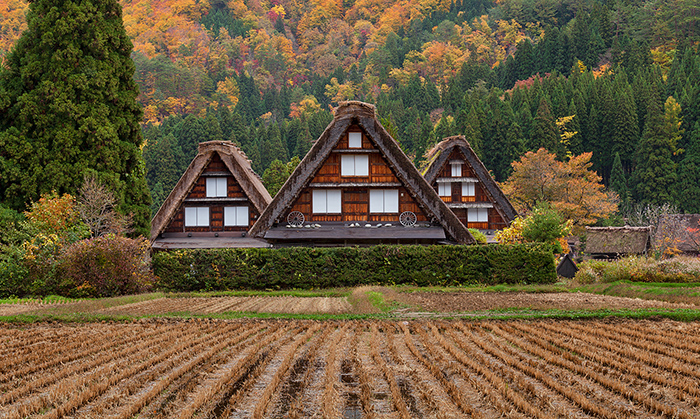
<point x="167" y="368"/>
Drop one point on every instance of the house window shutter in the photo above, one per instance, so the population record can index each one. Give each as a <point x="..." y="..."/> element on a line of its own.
<point x="383" y="201"/>
<point x="216" y="187"/>
<point x="354" y="165"/>
<point x="190" y="216"/>
<point x="327" y="201"/>
<point x="319" y="201"/>
<point x="196" y="216"/>
<point x="355" y="140"/>
<point x="242" y="216"/>
<point x="236" y="216"/>
<point x="202" y="216"/>
<point x="334" y="203"/>
<point x="376" y="201"/>
<point x="391" y="201"/>
<point x="361" y="165"/>
<point x="478" y="215"/>
<point x="445" y="189"/>
<point x="347" y="165"/>
<point x="468" y="189"/>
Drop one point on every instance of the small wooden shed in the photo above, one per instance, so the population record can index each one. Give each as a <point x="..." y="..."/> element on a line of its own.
<point x="357" y="187"/>
<point x="615" y="242"/>
<point x="214" y="204"/>
<point x="462" y="181"/>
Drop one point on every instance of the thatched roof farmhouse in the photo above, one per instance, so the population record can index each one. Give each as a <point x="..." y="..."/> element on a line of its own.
<point x="357" y="187"/>
<point x="214" y="203"/>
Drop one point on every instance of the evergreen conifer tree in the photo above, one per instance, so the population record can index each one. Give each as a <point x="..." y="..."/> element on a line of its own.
<point x="689" y="174"/>
<point x="618" y="181"/>
<point x="70" y="108"/>
<point x="656" y="175"/>
<point x="544" y="131"/>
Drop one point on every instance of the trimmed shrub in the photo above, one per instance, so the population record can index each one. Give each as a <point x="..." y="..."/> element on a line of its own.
<point x="312" y="268"/>
<point x="106" y="266"/>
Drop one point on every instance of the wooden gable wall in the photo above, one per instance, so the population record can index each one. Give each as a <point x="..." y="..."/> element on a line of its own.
<point x="495" y="220"/>
<point x="197" y="197"/>
<point x="355" y="189"/>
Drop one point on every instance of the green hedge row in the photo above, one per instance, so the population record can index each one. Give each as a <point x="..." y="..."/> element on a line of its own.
<point x="314" y="268"/>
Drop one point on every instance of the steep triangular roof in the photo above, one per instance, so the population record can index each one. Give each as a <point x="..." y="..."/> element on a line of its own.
<point x="363" y="115"/>
<point x="437" y="158"/>
<point x="237" y="164"/>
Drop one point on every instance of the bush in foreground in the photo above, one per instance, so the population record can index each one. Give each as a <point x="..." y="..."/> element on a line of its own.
<point x="108" y="265"/>
<point x="312" y="268"/>
<point x="640" y="269"/>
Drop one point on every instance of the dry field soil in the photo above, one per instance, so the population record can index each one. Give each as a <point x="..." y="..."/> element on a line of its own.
<point x="172" y="368"/>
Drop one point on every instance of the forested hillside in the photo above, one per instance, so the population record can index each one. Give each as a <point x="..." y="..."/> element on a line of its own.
<point x="616" y="78"/>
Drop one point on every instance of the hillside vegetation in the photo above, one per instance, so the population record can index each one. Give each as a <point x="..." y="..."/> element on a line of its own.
<point x="608" y="77"/>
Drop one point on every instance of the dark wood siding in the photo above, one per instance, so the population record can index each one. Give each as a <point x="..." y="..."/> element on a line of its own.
<point x="197" y="197"/>
<point x="355" y="199"/>
<point x="480" y="195"/>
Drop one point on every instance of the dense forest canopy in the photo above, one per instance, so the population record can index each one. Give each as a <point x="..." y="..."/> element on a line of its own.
<point x="615" y="78"/>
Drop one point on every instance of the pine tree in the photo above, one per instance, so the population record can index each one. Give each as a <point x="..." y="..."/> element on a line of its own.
<point x="689" y="174"/>
<point x="70" y="108"/>
<point x="544" y="131"/>
<point x="656" y="175"/>
<point x="618" y="181"/>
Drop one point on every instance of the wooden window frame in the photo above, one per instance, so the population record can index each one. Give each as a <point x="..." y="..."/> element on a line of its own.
<point x="479" y="213"/>
<point x="352" y="140"/>
<point x="217" y="187"/>
<point x="200" y="213"/>
<point x="236" y="215"/>
<point x="345" y="164"/>
<point x="373" y="203"/>
<point x="319" y="195"/>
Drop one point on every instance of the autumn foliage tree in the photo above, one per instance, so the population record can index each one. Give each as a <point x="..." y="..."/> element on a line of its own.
<point x="575" y="191"/>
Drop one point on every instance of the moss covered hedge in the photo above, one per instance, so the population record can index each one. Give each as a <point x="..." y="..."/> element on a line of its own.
<point x="313" y="268"/>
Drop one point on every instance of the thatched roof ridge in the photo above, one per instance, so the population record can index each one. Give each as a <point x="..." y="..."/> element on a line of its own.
<point x="437" y="157"/>
<point x="364" y="115"/>
<point x="236" y="162"/>
<point x="618" y="240"/>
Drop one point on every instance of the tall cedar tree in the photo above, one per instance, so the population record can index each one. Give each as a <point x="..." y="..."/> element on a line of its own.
<point x="618" y="181"/>
<point x="689" y="174"/>
<point x="71" y="108"/>
<point x="655" y="176"/>
<point x="544" y="131"/>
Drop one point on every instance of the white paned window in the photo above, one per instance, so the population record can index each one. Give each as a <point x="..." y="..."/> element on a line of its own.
<point x="354" y="165"/>
<point x="355" y="140"/>
<point x="196" y="216"/>
<point x="216" y="187"/>
<point x="383" y="201"/>
<point x="445" y="189"/>
<point x="456" y="169"/>
<point x="468" y="189"/>
<point x="478" y="215"/>
<point x="327" y="201"/>
<point x="236" y="216"/>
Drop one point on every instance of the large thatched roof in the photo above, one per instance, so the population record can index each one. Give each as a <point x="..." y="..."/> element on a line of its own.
<point x="235" y="161"/>
<point x="437" y="158"/>
<point x="364" y="115"/>
<point x="625" y="240"/>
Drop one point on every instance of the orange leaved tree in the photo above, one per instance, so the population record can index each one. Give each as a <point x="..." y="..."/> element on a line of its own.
<point x="571" y="187"/>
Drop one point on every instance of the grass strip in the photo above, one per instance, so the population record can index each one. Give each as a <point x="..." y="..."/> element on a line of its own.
<point x="684" y="315"/>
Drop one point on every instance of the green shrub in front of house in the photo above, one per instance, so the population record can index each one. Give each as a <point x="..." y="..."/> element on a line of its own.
<point x="313" y="268"/>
